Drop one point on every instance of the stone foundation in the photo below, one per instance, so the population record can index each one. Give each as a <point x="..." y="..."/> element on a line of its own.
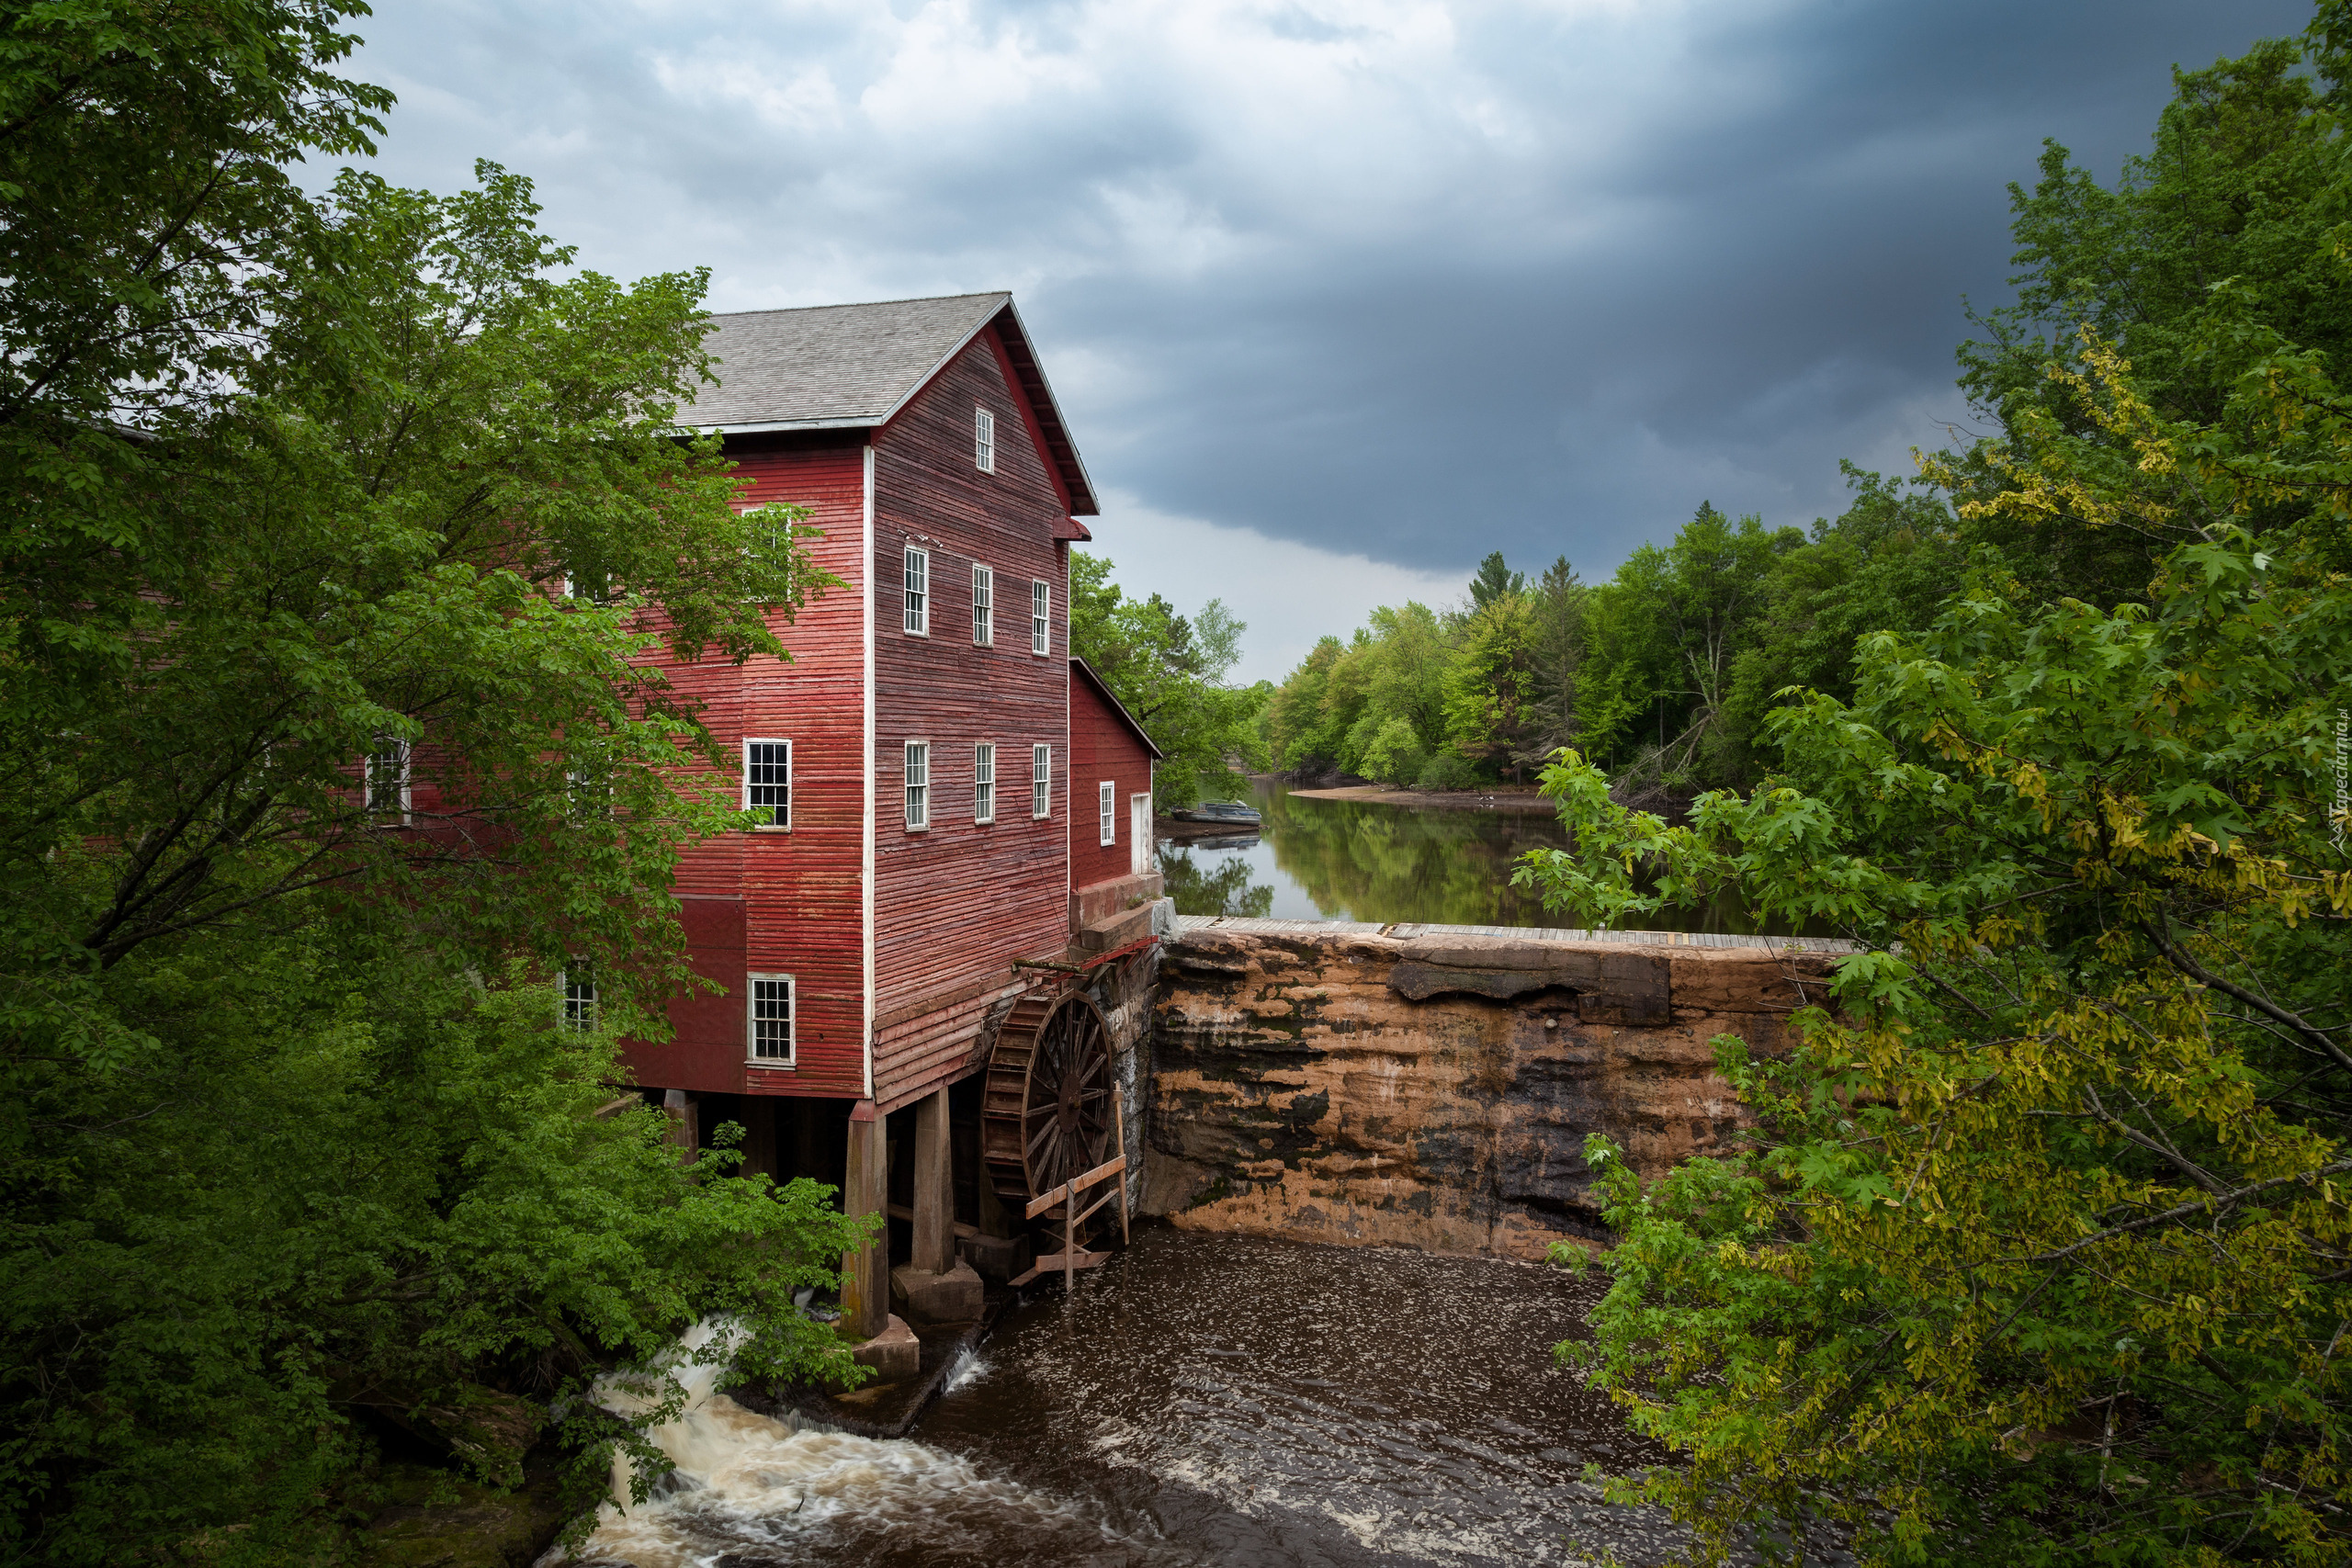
<point x="1434" y="1090"/>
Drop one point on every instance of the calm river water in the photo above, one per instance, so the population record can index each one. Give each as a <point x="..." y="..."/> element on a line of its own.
<point x="1356" y="860"/>
<point x="1200" y="1400"/>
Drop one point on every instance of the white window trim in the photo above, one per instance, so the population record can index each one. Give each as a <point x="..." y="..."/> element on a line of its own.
<point x="751" y="1056"/>
<point x="984" y="440"/>
<point x="983" y="605"/>
<point x="916" y="601"/>
<point x="748" y="803"/>
<point x="400" y="748"/>
<point x="1041" y="782"/>
<point x="564" y="1013"/>
<point x="1107" y="797"/>
<point x="906" y="786"/>
<point x="1041" y="617"/>
<point x="984" y="778"/>
<point x="586" y="799"/>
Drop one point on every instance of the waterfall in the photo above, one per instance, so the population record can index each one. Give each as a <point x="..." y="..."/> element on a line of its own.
<point x="758" y="1489"/>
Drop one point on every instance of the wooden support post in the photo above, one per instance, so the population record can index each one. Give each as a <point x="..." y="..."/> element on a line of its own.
<point x="865" y="1285"/>
<point x="934" y="1250"/>
<point x="1069" y="1245"/>
<point x="1119" y="1115"/>
<point x="685" y="1130"/>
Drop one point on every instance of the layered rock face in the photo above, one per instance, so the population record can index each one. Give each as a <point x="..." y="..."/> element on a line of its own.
<point x="1436" y="1091"/>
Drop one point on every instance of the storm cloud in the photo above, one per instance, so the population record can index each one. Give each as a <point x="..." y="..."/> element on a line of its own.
<point x="1339" y="297"/>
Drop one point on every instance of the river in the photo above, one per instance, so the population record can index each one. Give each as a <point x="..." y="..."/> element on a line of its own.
<point x="1200" y="1400"/>
<point x="1360" y="859"/>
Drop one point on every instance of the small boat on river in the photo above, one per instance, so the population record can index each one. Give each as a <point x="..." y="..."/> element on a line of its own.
<point x="1225" y="813"/>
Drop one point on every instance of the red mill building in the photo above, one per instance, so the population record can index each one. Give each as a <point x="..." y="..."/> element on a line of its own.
<point x="953" y="848"/>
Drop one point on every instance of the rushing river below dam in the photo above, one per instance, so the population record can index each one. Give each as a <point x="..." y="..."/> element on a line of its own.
<point x="1199" y="1400"/>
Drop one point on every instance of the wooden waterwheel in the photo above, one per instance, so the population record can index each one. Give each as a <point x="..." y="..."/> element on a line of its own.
<point x="1051" y="1111"/>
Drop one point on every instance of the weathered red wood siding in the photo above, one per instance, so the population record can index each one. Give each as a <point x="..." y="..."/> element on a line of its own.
<point x="1101" y="746"/>
<point x="789" y="902"/>
<point x="955" y="904"/>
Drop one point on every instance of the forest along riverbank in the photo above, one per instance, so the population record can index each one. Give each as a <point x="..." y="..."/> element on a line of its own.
<point x="1201" y="1400"/>
<point x="1373" y="855"/>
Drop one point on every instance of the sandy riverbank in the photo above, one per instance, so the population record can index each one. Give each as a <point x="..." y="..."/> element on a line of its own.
<point x="1501" y="798"/>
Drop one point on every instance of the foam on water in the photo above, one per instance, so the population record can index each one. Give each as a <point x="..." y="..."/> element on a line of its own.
<point x="755" y="1488"/>
<point x="752" y="1487"/>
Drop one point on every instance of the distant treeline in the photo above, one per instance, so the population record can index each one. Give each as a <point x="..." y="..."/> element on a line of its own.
<point x="1664" y="671"/>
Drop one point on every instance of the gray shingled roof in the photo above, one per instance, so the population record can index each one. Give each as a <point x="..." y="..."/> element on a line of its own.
<point x="843" y="366"/>
<point x="831" y="365"/>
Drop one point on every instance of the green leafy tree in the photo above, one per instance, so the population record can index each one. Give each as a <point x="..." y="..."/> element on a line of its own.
<point x="1494" y="684"/>
<point x="2243" y="183"/>
<point x="1885" y="564"/>
<point x="1170" y="674"/>
<point x="2039" y="1253"/>
<point x="293" y="1128"/>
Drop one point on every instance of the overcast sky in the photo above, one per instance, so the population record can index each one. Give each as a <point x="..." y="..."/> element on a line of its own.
<point x="1339" y="296"/>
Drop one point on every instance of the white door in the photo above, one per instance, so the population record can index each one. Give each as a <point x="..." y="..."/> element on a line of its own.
<point x="1139" y="833"/>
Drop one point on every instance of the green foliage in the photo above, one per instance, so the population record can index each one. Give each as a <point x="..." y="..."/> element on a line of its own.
<point x="1394" y="753"/>
<point x="1492" y="706"/>
<point x="1446" y="770"/>
<point x="1391" y="682"/>
<point x="1495" y="580"/>
<point x="290" y="1130"/>
<point x="2243" y="185"/>
<point x="1170" y="674"/>
<point x="2039" y="1253"/>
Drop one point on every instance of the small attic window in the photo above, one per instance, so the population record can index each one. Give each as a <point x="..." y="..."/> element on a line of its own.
<point x="984" y="440"/>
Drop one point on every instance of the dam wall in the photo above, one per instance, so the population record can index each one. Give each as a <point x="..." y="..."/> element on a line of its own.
<point x="1432" y="1085"/>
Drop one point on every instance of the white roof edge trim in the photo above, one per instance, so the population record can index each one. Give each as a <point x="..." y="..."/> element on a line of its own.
<point x="857" y="421"/>
<point x="1054" y="403"/>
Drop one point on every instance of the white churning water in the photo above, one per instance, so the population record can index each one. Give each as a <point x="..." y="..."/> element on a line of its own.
<point x="748" y="1489"/>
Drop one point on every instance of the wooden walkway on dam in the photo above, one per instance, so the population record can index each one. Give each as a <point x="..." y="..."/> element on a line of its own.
<point x="1404" y="930"/>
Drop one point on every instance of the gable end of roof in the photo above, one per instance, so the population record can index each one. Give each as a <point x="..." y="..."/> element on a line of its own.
<point x="855" y="366"/>
<point x="1080" y="668"/>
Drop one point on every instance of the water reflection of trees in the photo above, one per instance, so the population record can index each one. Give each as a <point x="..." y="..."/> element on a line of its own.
<point x="1361" y="861"/>
<point x="1224" y="889"/>
<point x="1383" y="862"/>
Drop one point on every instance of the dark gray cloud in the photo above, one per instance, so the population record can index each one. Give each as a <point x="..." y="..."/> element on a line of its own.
<point x="1394" y="279"/>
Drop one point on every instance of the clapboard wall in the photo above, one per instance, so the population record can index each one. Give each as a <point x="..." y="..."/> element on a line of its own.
<point x="957" y="901"/>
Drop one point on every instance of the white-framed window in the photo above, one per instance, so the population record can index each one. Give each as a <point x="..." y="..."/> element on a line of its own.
<point x="918" y="785"/>
<point x="1041" y="781"/>
<point x="1107" y="802"/>
<point x="575" y="984"/>
<point x="587" y="798"/>
<point x="767" y="781"/>
<point x="918" y="583"/>
<point x="1041" y="617"/>
<point x="983" y="606"/>
<point x="984" y="782"/>
<point x="768" y="539"/>
<point x="588" y="586"/>
<point x="984" y="440"/>
<point x="388" y="781"/>
<point x="768" y="1021"/>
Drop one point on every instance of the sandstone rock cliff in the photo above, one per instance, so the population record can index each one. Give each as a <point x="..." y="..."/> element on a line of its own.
<point x="1436" y="1093"/>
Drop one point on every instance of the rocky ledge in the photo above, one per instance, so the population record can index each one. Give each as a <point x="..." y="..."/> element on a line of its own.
<point x="1435" y="1089"/>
